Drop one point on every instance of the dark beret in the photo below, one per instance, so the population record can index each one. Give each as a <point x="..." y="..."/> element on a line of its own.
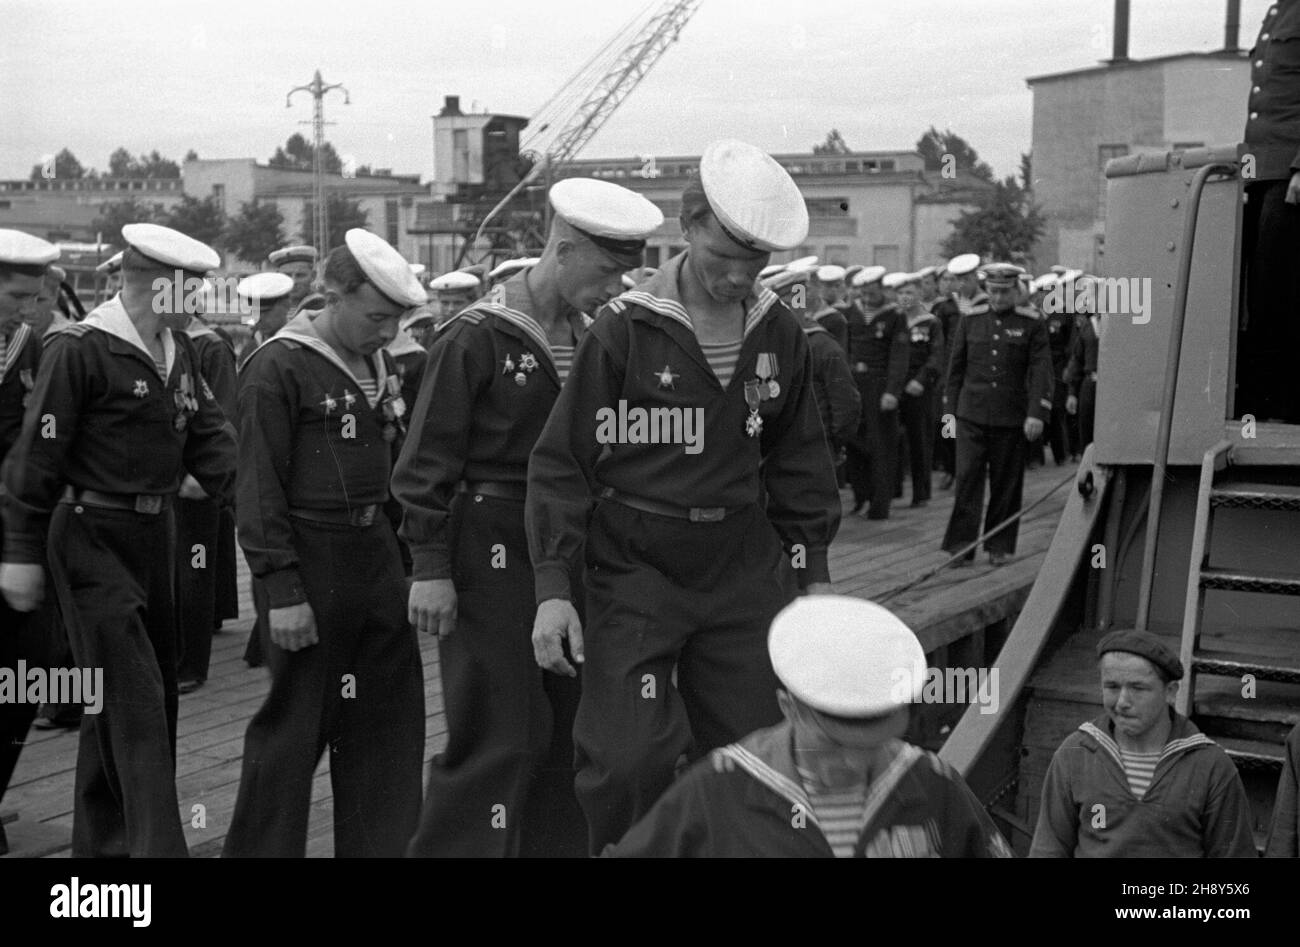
<point x="1146" y="645"/>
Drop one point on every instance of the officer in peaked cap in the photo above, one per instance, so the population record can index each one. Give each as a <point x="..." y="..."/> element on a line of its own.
<point x="131" y="415"/>
<point x="504" y="784"/>
<point x="702" y="337"/>
<point x="299" y="264"/>
<point x="454" y="291"/>
<point x="999" y="388"/>
<point x="345" y="663"/>
<point x="849" y="672"/>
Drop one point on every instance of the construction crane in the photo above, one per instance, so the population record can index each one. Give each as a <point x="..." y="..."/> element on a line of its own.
<point x="562" y="128"/>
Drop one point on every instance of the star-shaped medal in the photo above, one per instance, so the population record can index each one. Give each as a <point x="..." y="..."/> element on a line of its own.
<point x="141" y="388"/>
<point x="666" y="378"/>
<point x="348" y="399"/>
<point x="329" y="404"/>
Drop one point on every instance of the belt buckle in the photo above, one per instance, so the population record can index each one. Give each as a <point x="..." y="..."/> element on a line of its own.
<point x="708" y="514"/>
<point x="148" y="504"/>
<point x="367" y="516"/>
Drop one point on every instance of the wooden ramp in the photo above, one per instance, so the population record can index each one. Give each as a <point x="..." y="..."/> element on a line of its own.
<point x="868" y="559"/>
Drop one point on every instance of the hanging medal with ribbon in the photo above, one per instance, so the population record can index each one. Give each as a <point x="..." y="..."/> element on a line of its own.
<point x="394" y="408"/>
<point x="765" y="367"/>
<point x="753" y="398"/>
<point x="186" y="403"/>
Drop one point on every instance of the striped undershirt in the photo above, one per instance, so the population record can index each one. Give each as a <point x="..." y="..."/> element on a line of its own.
<point x="722" y="358"/>
<point x="1139" y="768"/>
<point x="563" y="355"/>
<point x="369" y="388"/>
<point x="161" y="365"/>
<point x="4" y="349"/>
<point x="838" y="813"/>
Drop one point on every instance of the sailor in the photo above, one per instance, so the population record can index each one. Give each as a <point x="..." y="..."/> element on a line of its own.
<point x="24" y="260"/>
<point x="947" y="311"/>
<point x="48" y="314"/>
<point x="880" y="365"/>
<point x="119" y="414"/>
<point x="965" y="268"/>
<point x="270" y="296"/>
<point x="830" y="315"/>
<point x="454" y="291"/>
<point x="998" y="387"/>
<point x="834" y="778"/>
<point x="1060" y="339"/>
<point x="494" y="374"/>
<point x="345" y="664"/>
<point x="870" y="302"/>
<point x="111" y="270"/>
<point x="727" y="368"/>
<point x="928" y="285"/>
<point x="925" y="367"/>
<point x="1081" y="370"/>
<point x="299" y="264"/>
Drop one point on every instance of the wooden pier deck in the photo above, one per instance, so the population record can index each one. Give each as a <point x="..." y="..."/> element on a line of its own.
<point x="868" y="559"/>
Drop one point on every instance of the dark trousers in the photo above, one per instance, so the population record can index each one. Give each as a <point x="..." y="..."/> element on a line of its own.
<point x="1055" y="431"/>
<point x="198" y="532"/>
<point x="112" y="571"/>
<point x="945" y="448"/>
<point x="660" y="594"/>
<point x="491" y="791"/>
<point x="1265" y="372"/>
<point x="1087" y="409"/>
<point x="358" y="691"/>
<point x="879" y="444"/>
<point x="999" y="454"/>
<point x="917" y="415"/>
<point x="227" y="578"/>
<point x="20" y="641"/>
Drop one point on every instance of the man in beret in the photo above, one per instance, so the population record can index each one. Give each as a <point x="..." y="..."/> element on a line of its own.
<point x="494" y="374"/>
<point x="701" y="342"/>
<point x="119" y="423"/>
<point x="1141" y="781"/>
<point x="834" y="778"/>
<point x="345" y="663"/>
<point x="272" y="297"/>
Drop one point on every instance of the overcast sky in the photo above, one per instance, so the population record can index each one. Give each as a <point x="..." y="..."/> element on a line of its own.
<point x="153" y="74"/>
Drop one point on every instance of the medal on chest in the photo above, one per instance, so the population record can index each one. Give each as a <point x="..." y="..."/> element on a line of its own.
<point x="393" y="407"/>
<point x="765" y="367"/>
<point x="28" y="383"/>
<point x="753" y="398"/>
<point x="186" y="403"/>
<point x="526" y="366"/>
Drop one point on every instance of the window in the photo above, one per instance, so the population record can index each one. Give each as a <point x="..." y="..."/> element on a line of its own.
<point x="652" y="256"/>
<point x="5" y="205"/>
<point x="885" y="255"/>
<point x="1187" y="145"/>
<point x="827" y="206"/>
<point x="887" y="164"/>
<point x="390" y="215"/>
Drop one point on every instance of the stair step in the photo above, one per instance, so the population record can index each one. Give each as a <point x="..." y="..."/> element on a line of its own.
<point x="1256" y="496"/>
<point x="1253" y="754"/>
<point x="1230" y="580"/>
<point x="1236" y="664"/>
<point x="1276" y="445"/>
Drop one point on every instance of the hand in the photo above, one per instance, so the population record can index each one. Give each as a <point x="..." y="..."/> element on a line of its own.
<point x="914" y="388"/>
<point x="1071" y="405"/>
<point x="431" y="607"/>
<point x="190" y="489"/>
<point x="888" y="402"/>
<point x="1033" y="428"/>
<point x="556" y="620"/>
<point x="293" y="627"/>
<point x="860" y="367"/>
<point x="1293" y="189"/>
<point x="819" y="588"/>
<point x="23" y="585"/>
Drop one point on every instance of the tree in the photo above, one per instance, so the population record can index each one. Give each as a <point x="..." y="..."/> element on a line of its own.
<point x="299" y="155"/>
<point x="1004" y="227"/>
<point x="153" y="165"/>
<point x="201" y="219"/>
<point x="191" y="155"/>
<point x="833" y="145"/>
<point x="65" y="166"/>
<point x="113" y="214"/>
<point x="936" y="145"/>
<point x="255" y="231"/>
<point x="1026" y="172"/>
<point x="344" y="214"/>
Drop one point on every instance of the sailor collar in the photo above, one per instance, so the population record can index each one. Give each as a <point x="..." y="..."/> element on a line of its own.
<point x="14" y="348"/>
<point x="403" y="344"/>
<point x="112" y="318"/>
<point x="662" y="294"/>
<point x="302" y="331"/>
<point x="198" y="329"/>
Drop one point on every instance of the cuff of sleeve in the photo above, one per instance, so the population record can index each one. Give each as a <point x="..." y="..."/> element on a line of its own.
<point x="815" y="570"/>
<point x="430" y="562"/>
<point x="551" y="580"/>
<point x="25" y="547"/>
<point x="284" y="588"/>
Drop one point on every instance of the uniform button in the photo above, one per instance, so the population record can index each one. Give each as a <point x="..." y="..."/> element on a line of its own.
<point x="78" y="509"/>
<point x="478" y="498"/>
<point x="1254" y="115"/>
<point x="1259" y="64"/>
<point x="1255" y="90"/>
<point x="995" y="384"/>
<point x="1263" y="36"/>
<point x="995" y="351"/>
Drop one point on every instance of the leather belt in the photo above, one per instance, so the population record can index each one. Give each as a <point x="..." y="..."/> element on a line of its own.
<point x="357" y="516"/>
<point x="696" y="514"/>
<point x="494" y="488"/>
<point x="149" y="504"/>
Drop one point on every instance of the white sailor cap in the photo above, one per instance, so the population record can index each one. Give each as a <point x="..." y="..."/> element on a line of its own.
<point x="1069" y="276"/>
<point x="298" y="254"/>
<point x="771" y="270"/>
<point x="1059" y="270"/>
<point x="830" y="273"/>
<point x="1002" y="274"/>
<point x="417" y="270"/>
<point x="22" y="249"/>
<point x="803" y="263"/>
<point x="171" y="247"/>
<point x="416" y="316"/>
<point x="509" y="267"/>
<point x="787" y="278"/>
<point x="386" y="269"/>
<point x="1045" y="282"/>
<point x="854" y="270"/>
<point x="925" y="271"/>
<point x="963" y="263"/>
<point x="265" y="287"/>
<point x="612" y="217"/>
<point x="112" y="265"/>
<point x="868" y="275"/>
<point x="628" y="282"/>
<point x="755" y="200"/>
<point x="457" y="281"/>
<point x="897" y="279"/>
<point x="846" y="656"/>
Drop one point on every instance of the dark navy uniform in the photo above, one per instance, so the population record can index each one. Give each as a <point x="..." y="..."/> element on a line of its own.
<point x="1081" y="374"/>
<point x="880" y="366"/>
<point x="684" y="566"/>
<point x="315" y="459"/>
<point x="925" y="365"/>
<point x="105" y="423"/>
<point x="1060" y="339"/>
<point x="21" y="638"/>
<point x="409" y="358"/>
<point x="201" y="568"/>
<point x="838" y="402"/>
<point x="946" y="310"/>
<point x="489" y="387"/>
<point x="999" y="373"/>
<point x="834" y="320"/>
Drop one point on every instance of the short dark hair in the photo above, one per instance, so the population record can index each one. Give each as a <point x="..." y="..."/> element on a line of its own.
<point x="343" y="272"/>
<point x="10" y="270"/>
<point x="696" y="209"/>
